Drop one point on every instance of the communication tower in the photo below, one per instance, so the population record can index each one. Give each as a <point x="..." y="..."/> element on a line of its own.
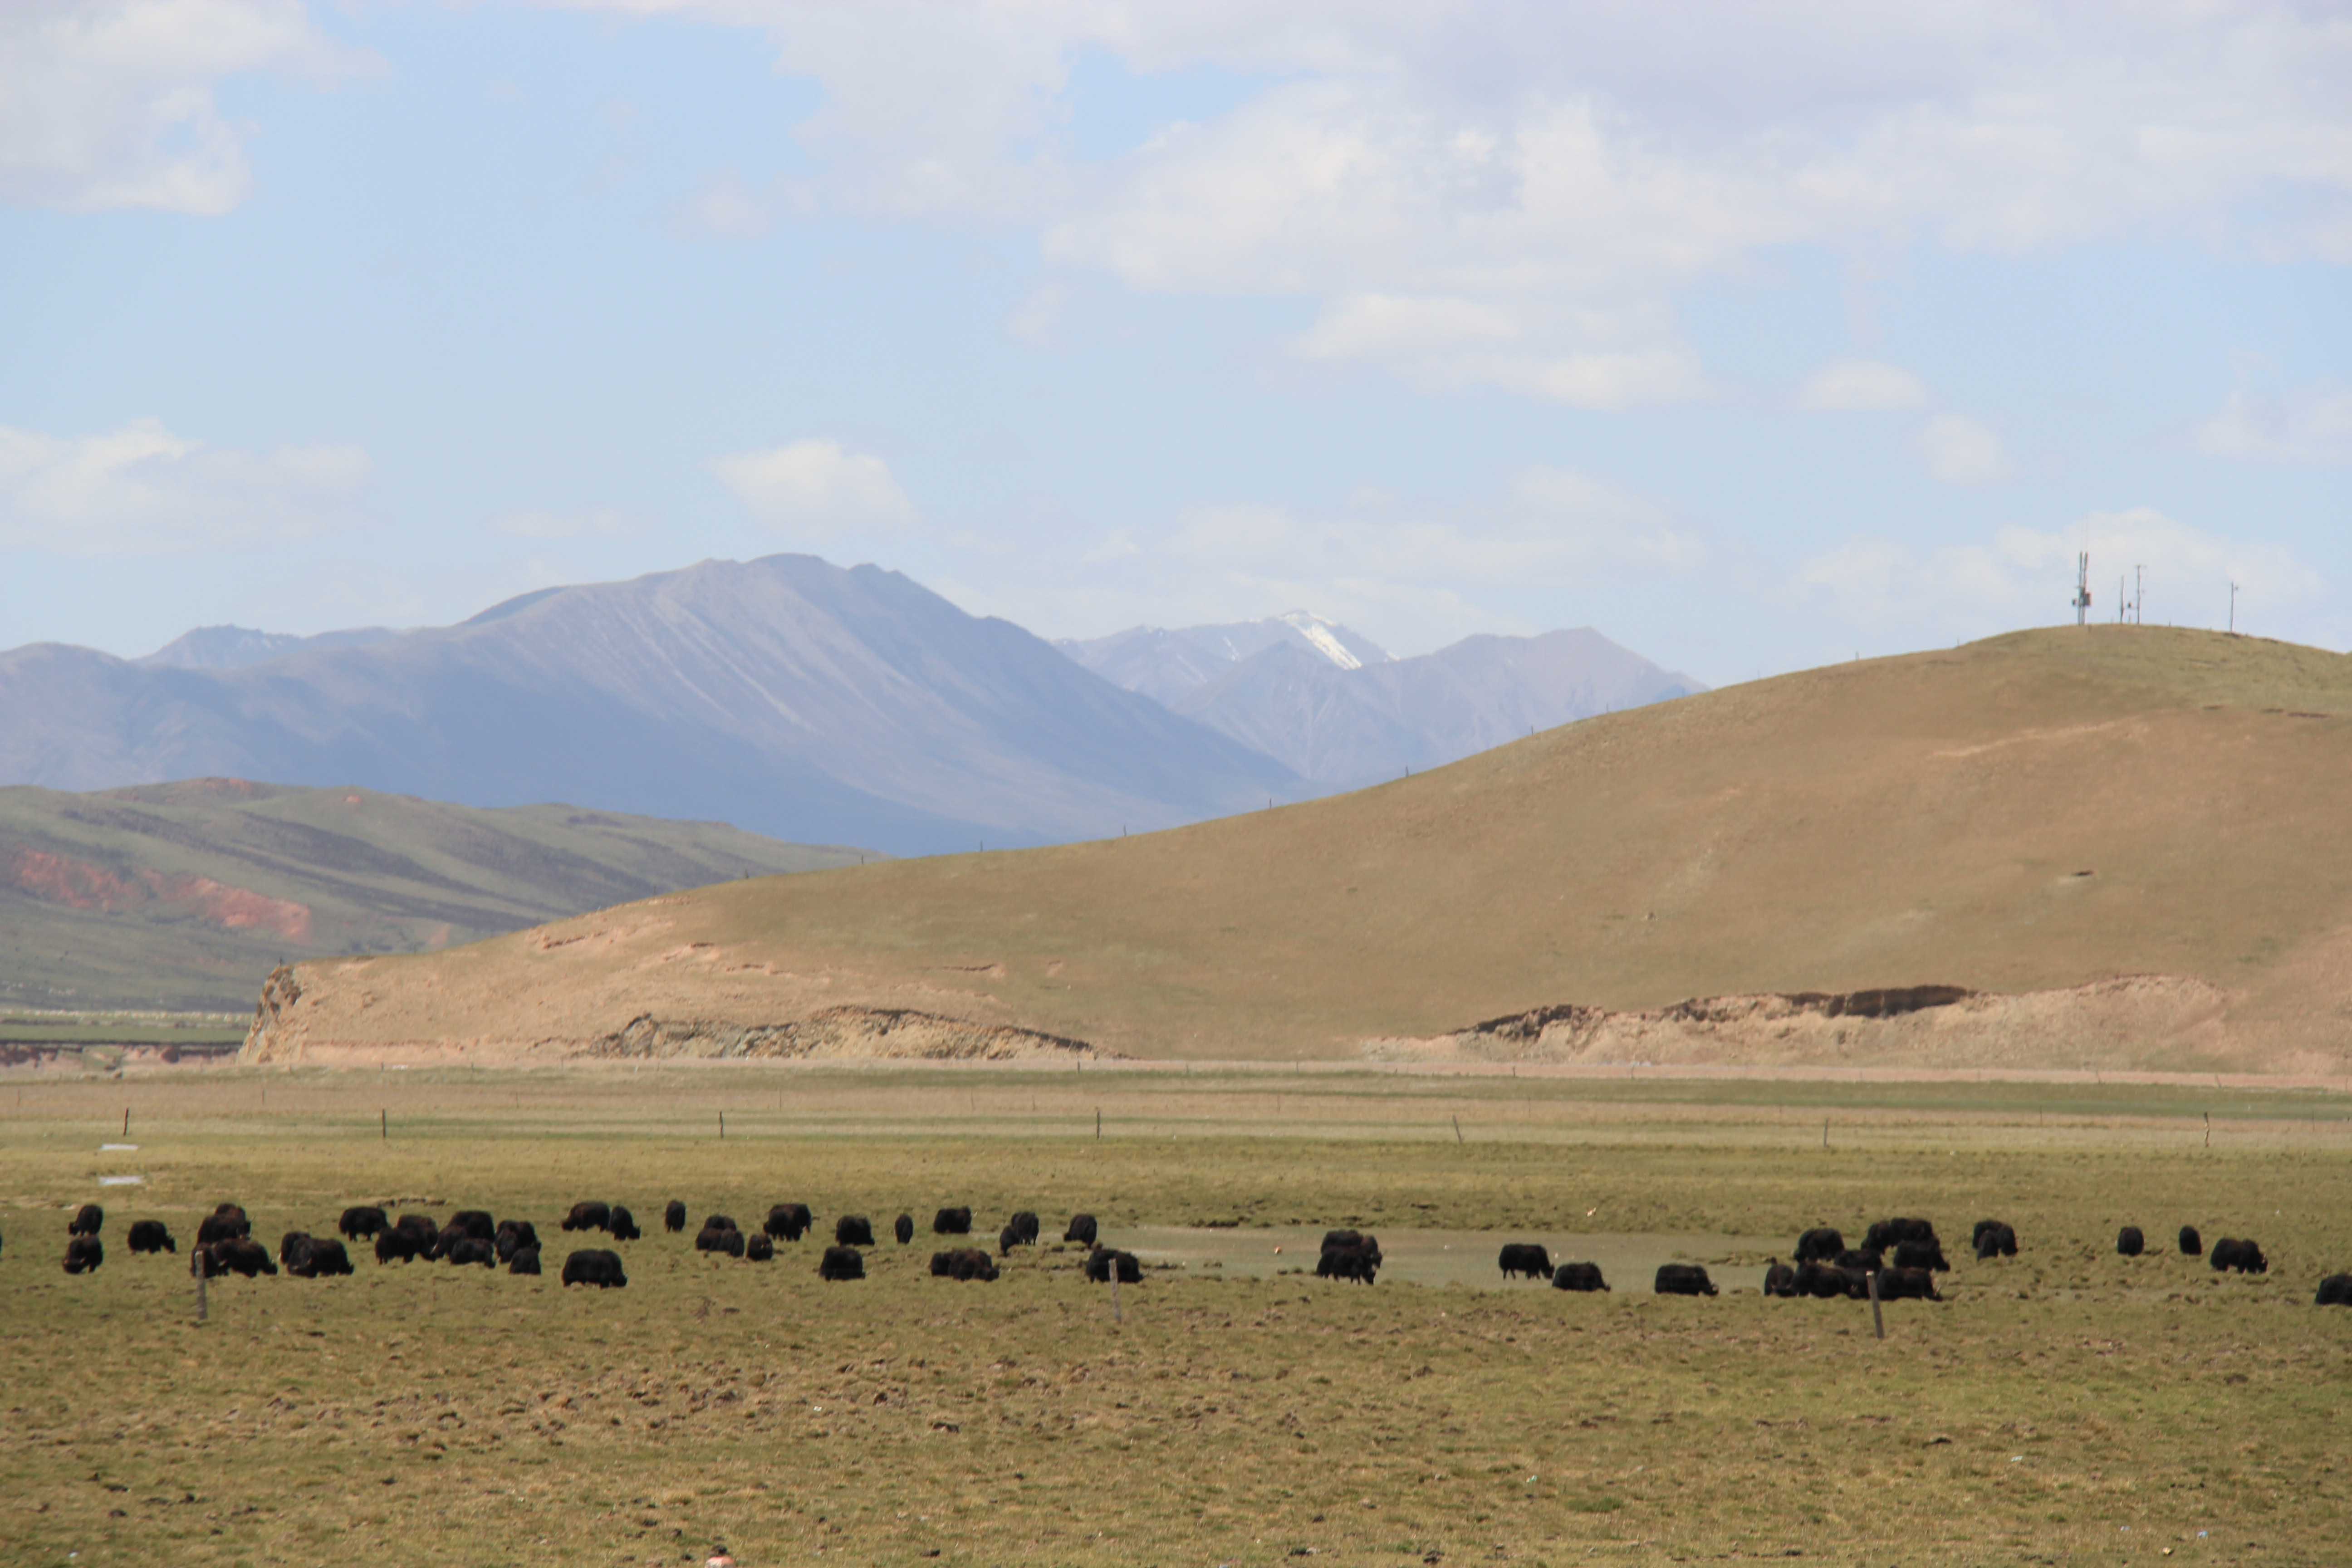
<point x="2081" y="588"/>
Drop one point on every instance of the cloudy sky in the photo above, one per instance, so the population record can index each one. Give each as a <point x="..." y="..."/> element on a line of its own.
<point x="1755" y="335"/>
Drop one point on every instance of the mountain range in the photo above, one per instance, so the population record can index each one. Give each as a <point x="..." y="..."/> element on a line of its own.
<point x="804" y="702"/>
<point x="783" y="695"/>
<point x="186" y="895"/>
<point x="1335" y="708"/>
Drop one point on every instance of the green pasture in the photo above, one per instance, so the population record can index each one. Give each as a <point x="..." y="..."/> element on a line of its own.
<point x="2065" y="1405"/>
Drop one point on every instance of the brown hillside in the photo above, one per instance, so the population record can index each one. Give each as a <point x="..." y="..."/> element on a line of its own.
<point x="2039" y="811"/>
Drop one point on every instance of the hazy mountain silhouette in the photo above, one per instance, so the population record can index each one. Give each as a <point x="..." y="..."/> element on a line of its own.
<point x="1328" y="703"/>
<point x="785" y="694"/>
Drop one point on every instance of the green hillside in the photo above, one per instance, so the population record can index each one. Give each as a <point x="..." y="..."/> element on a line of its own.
<point x="186" y="895"/>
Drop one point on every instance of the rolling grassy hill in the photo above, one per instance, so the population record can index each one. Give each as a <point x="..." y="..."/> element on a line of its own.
<point x="186" y="895"/>
<point x="2040" y="811"/>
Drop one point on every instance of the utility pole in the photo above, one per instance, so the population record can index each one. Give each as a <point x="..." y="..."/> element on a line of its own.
<point x="2140" y="595"/>
<point x="2081" y="588"/>
<point x="2233" y="609"/>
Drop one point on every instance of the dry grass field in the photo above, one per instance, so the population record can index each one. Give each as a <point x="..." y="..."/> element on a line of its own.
<point x="2065" y="1405"/>
<point x="2034" y="813"/>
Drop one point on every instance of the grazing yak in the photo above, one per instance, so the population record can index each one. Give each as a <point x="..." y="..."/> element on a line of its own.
<point x="525" y="1260"/>
<point x="476" y="1223"/>
<point x="84" y="1254"/>
<point x="1857" y="1260"/>
<point x="1885" y="1235"/>
<point x="1899" y="1284"/>
<point x="362" y="1222"/>
<point x="218" y="1227"/>
<point x="789" y="1222"/>
<point x="588" y="1215"/>
<point x="1926" y="1254"/>
<point x="903" y="1228"/>
<point x="964" y="1263"/>
<point x="308" y="1257"/>
<point x="1025" y="1225"/>
<point x="234" y="1254"/>
<point x="853" y="1230"/>
<point x="1995" y="1239"/>
<point x="952" y="1222"/>
<point x="841" y="1263"/>
<point x="1525" y="1259"/>
<point x="1578" y="1276"/>
<point x="87" y="1220"/>
<point x="2336" y="1290"/>
<point x="623" y="1224"/>
<point x="729" y="1241"/>
<point x="1780" y="1279"/>
<point x="2230" y="1252"/>
<point x="1681" y="1279"/>
<point x="1829" y="1282"/>
<point x="1104" y="1262"/>
<point x="471" y="1250"/>
<point x="513" y="1235"/>
<point x="1347" y="1255"/>
<point x="674" y="1215"/>
<point x="150" y="1235"/>
<point x="1008" y="1239"/>
<point x="759" y="1247"/>
<point x="1081" y="1229"/>
<point x="2191" y="1244"/>
<point x="2130" y="1242"/>
<point x="594" y="1265"/>
<point x="1819" y="1245"/>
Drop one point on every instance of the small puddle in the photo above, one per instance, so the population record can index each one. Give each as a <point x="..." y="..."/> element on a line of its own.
<point x="121" y="1181"/>
<point x="1628" y="1261"/>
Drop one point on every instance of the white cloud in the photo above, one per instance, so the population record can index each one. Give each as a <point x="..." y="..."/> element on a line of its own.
<point x="597" y="523"/>
<point x="1513" y="194"/>
<point x="729" y="208"/>
<point x="108" y="104"/>
<point x="1039" y="318"/>
<point x="141" y="489"/>
<point x="2313" y="426"/>
<point x="1860" y="387"/>
<point x="2025" y="576"/>
<point x="1960" y="450"/>
<point x="817" y="489"/>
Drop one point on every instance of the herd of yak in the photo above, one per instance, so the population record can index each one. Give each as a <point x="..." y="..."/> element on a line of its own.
<point x="1898" y="1258"/>
<point x="224" y="1243"/>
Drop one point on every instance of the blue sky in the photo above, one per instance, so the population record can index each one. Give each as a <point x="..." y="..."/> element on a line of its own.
<point x="1754" y="336"/>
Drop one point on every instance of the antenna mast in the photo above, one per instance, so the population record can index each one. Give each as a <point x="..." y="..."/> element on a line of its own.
<point x="2081" y="586"/>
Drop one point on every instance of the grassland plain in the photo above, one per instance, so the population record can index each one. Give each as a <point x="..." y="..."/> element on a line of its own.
<point x="2065" y="1405"/>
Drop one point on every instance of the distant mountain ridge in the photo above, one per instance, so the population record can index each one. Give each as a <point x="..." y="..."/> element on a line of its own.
<point x="185" y="895"/>
<point x="1167" y="665"/>
<point x="1333" y="707"/>
<point x="233" y="647"/>
<point x="785" y="694"/>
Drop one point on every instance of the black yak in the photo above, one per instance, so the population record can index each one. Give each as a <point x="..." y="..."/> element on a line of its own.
<point x="759" y="1247"/>
<point x="364" y="1222"/>
<point x="2242" y="1256"/>
<point x="1525" y="1259"/>
<point x="903" y="1228"/>
<point x="150" y="1235"/>
<point x="594" y="1265"/>
<point x="853" y="1230"/>
<point x="841" y="1263"/>
<point x="87" y="1220"/>
<point x="1578" y="1276"/>
<point x="964" y="1263"/>
<point x="952" y="1222"/>
<point x="1104" y="1262"/>
<point x="2130" y="1242"/>
<point x="588" y="1214"/>
<point x="1819" y="1245"/>
<point x="84" y="1254"/>
<point x="674" y="1215"/>
<point x="1081" y="1229"/>
<point x="1681" y="1279"/>
<point x="2191" y="1244"/>
<point x="788" y="1222"/>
